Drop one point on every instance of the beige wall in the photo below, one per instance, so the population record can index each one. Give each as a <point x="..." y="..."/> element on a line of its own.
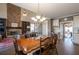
<point x="3" y="10"/>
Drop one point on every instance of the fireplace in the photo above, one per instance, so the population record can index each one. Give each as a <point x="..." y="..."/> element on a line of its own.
<point x="14" y="31"/>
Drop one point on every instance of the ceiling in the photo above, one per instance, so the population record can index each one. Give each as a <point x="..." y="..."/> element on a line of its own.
<point x="52" y="10"/>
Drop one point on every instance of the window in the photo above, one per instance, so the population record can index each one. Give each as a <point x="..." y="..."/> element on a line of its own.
<point x="32" y="26"/>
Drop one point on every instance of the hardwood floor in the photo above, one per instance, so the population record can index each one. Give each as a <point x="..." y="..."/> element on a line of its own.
<point x="64" y="47"/>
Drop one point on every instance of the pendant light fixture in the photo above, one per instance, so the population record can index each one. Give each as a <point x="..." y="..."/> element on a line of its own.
<point x="38" y="17"/>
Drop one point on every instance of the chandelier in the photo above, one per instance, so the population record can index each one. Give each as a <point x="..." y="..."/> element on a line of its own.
<point x="38" y="17"/>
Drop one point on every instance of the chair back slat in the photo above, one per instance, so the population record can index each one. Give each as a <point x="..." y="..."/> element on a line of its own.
<point x="54" y="39"/>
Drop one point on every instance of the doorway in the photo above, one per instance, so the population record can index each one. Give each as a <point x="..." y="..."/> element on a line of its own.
<point x="68" y="30"/>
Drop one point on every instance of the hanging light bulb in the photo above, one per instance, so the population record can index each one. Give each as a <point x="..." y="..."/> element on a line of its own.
<point x="38" y="17"/>
<point x="65" y="19"/>
<point x="43" y="19"/>
<point x="24" y="14"/>
<point x="33" y="18"/>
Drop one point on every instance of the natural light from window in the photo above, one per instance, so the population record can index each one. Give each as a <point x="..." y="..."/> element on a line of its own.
<point x="32" y="26"/>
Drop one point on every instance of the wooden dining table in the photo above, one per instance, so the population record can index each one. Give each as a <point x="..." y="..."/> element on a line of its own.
<point x="28" y="45"/>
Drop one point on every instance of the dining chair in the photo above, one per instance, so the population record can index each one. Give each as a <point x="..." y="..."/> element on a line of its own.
<point x="44" y="45"/>
<point x="54" y="39"/>
<point x="17" y="48"/>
